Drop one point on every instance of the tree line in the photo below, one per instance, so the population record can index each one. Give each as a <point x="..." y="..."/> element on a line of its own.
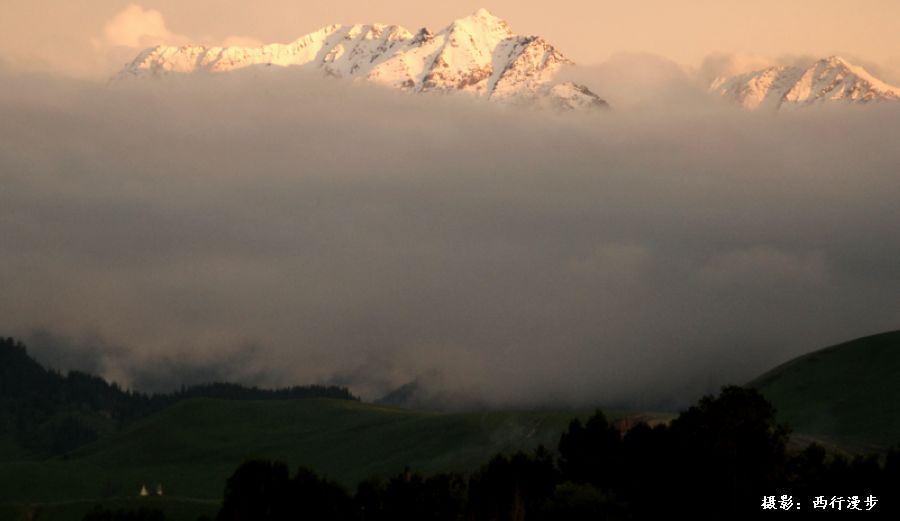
<point x="725" y="458"/>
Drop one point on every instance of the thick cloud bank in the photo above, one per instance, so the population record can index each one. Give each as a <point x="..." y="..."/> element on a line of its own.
<point x="285" y="229"/>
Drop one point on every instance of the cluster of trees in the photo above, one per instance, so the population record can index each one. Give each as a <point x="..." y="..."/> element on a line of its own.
<point x="48" y="413"/>
<point x="717" y="460"/>
<point x="230" y="391"/>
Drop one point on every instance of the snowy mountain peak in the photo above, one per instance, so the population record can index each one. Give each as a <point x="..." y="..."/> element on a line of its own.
<point x="482" y="21"/>
<point x="479" y="55"/>
<point x="483" y="13"/>
<point x="831" y="79"/>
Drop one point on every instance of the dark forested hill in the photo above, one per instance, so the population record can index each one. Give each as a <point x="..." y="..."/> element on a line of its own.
<point x="45" y="413"/>
<point x="847" y="394"/>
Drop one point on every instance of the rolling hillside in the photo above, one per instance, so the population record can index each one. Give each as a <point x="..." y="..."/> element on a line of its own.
<point x="196" y="438"/>
<point x="847" y="394"/>
<point x="46" y="414"/>
<point x="192" y="447"/>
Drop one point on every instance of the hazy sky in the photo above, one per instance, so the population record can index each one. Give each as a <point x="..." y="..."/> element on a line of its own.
<point x="73" y="36"/>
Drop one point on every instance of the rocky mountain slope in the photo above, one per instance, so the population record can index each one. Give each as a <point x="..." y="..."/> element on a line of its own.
<point x="828" y="80"/>
<point x="479" y="55"/>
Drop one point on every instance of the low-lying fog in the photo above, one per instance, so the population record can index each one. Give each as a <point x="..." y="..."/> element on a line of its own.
<point x="283" y="229"/>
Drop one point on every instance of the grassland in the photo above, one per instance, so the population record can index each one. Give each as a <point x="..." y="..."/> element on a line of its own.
<point x="192" y="447"/>
<point x="181" y="509"/>
<point x="847" y="395"/>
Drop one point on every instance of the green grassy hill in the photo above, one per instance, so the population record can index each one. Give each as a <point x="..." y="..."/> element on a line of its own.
<point x="192" y="447"/>
<point x="45" y="413"/>
<point x="847" y="395"/>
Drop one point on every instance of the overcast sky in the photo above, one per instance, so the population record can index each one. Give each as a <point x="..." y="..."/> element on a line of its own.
<point x="95" y="37"/>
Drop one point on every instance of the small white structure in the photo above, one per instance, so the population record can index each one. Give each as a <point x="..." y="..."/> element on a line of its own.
<point x="159" y="490"/>
<point x="143" y="492"/>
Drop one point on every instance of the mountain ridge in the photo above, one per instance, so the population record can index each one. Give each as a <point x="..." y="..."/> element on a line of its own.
<point x="831" y="79"/>
<point x="478" y="54"/>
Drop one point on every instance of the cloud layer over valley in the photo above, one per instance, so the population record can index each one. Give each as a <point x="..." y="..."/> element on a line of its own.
<point x="285" y="229"/>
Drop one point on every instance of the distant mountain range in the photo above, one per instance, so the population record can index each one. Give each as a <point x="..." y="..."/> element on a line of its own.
<point x="481" y="56"/>
<point x="828" y="80"/>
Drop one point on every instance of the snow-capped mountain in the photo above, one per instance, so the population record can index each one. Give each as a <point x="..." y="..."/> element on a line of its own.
<point x="478" y="54"/>
<point x="828" y="80"/>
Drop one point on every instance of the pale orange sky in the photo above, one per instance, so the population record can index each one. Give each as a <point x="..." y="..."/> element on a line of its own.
<point x="70" y="36"/>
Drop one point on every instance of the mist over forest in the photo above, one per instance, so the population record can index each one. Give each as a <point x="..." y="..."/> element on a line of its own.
<point x="287" y="229"/>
